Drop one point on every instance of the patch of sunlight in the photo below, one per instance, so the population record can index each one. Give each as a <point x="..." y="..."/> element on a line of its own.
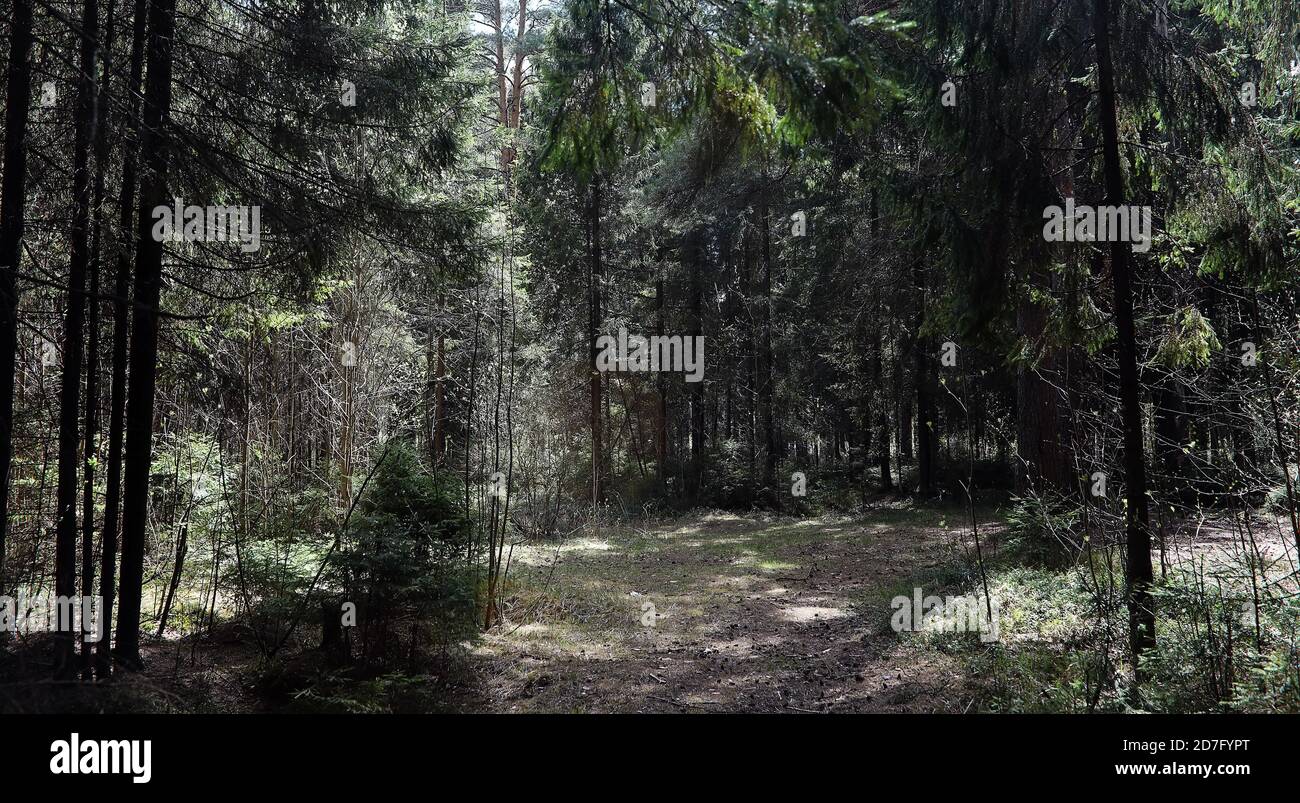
<point x="811" y="613"/>
<point x="532" y="630"/>
<point x="701" y="543"/>
<point x="776" y="565"/>
<point x="586" y="544"/>
<point x="559" y="640"/>
<point x="531" y="556"/>
<point x="721" y="515"/>
<point x="546" y="555"/>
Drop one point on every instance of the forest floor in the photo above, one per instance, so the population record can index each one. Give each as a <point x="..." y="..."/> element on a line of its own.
<point x="757" y="613"/>
<point x="710" y="612"/>
<point x="750" y="613"/>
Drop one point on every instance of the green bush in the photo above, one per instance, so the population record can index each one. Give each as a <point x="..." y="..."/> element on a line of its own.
<point x="1044" y="529"/>
<point x="1206" y="657"/>
<point x="404" y="563"/>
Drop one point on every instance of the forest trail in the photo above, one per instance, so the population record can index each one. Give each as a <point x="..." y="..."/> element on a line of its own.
<point x="750" y="614"/>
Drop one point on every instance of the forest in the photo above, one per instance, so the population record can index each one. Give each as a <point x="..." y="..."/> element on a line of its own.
<point x="618" y="356"/>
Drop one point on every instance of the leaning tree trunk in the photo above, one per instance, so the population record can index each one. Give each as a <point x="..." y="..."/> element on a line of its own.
<point x="1138" y="572"/>
<point x="144" y="335"/>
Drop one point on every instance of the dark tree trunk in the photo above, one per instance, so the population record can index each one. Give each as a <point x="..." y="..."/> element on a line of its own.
<point x="925" y="423"/>
<point x="154" y="147"/>
<point x="882" y="416"/>
<point x="1040" y="428"/>
<point x="440" y="404"/>
<point x="766" y="381"/>
<point x="13" y="200"/>
<point x="91" y="426"/>
<point x="92" y="341"/>
<point x="693" y="254"/>
<point x="594" y="319"/>
<point x="1171" y="436"/>
<point x="121" y="328"/>
<point x="905" y="451"/>
<point x="74" y="326"/>
<point x="1138" y="568"/>
<point x="661" y="417"/>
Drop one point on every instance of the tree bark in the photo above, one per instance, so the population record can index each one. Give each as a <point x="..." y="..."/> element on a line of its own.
<point x="766" y="381"/>
<point x="13" y="201"/>
<point x="154" y="147"/>
<point x="693" y="254"/>
<point x="593" y="331"/>
<point x="1138" y="571"/>
<point x="74" y="326"/>
<point x="121" y="328"/>
<point x="925" y="424"/>
<point x="881" y="414"/>
<point x="661" y="410"/>
<point x="90" y="456"/>
<point x="1040" y="438"/>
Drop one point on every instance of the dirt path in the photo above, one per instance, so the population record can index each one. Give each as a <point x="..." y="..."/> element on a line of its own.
<point x="724" y="613"/>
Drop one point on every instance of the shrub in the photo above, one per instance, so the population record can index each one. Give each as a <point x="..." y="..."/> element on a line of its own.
<point x="1044" y="529"/>
<point x="404" y="563"/>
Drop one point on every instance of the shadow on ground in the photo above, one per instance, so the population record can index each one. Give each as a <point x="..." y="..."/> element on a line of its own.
<point x="725" y="613"/>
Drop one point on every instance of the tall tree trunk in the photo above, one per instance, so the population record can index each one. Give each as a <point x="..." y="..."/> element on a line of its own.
<point x="693" y="254"/>
<point x="882" y="414"/>
<point x="766" y="381"/>
<point x="1043" y="439"/>
<point x="1040" y="439"/>
<point x="440" y="403"/>
<point x="1171" y="437"/>
<point x="91" y="424"/>
<point x="74" y="326"/>
<point x="90" y="457"/>
<point x="593" y="331"/>
<point x="925" y="414"/>
<point x="877" y="364"/>
<point x="1139" y="574"/>
<point x="517" y="74"/>
<point x="905" y="451"/>
<point x="13" y="200"/>
<point x="661" y="410"/>
<point x="154" y="146"/>
<point x="125" y="246"/>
